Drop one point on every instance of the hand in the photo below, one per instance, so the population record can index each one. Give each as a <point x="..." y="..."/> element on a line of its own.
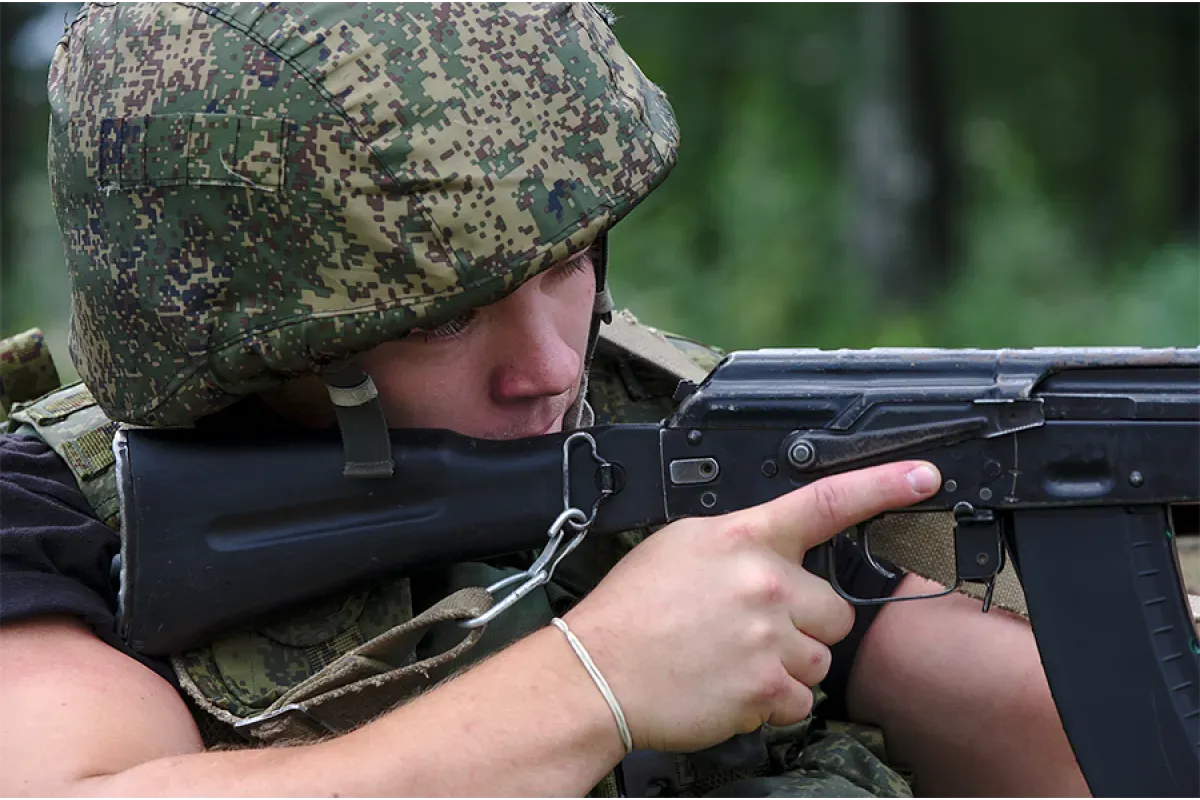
<point x="711" y="627"/>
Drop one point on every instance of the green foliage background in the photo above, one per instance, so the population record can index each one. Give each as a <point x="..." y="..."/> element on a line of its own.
<point x="1046" y="172"/>
<point x="1067" y="124"/>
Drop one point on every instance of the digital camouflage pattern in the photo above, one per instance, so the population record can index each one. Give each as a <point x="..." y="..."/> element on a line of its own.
<point x="249" y="192"/>
<point x="70" y="422"/>
<point x="845" y="761"/>
<point x="26" y="369"/>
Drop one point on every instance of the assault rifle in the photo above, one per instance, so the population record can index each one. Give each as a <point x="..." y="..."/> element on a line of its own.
<point x="1080" y="465"/>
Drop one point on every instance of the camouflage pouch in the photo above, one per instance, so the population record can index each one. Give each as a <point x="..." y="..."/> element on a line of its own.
<point x="26" y="369"/>
<point x="339" y="663"/>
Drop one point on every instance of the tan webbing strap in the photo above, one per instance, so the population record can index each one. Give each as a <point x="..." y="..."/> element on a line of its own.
<point x="636" y="340"/>
<point x="367" y="681"/>
<point x="924" y="544"/>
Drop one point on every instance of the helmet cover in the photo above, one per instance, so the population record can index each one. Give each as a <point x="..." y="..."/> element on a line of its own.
<point x="252" y="192"/>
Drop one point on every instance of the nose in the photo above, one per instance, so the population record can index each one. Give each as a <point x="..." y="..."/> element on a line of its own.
<point x="531" y="354"/>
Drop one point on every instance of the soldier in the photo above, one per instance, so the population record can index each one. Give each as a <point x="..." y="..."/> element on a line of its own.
<point x="254" y="198"/>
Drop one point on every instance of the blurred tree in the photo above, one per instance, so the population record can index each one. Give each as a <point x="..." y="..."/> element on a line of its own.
<point x="901" y="162"/>
<point x="1181" y="24"/>
<point x="13" y="17"/>
<point x="933" y="119"/>
<point x="886" y="173"/>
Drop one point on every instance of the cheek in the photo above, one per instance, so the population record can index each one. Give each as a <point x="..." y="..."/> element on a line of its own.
<point x="415" y="384"/>
<point x="575" y="320"/>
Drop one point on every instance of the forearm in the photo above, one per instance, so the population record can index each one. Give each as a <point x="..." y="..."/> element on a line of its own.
<point x="528" y="721"/>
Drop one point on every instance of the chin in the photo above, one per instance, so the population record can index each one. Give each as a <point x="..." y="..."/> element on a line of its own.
<point x="519" y="431"/>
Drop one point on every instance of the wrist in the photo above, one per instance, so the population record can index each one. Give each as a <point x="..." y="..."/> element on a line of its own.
<point x="530" y="715"/>
<point x="595" y="727"/>
<point x="598" y="679"/>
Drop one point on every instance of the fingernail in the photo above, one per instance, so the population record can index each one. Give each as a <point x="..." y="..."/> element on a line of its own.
<point x="923" y="479"/>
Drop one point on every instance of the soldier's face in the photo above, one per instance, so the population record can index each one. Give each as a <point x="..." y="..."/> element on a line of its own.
<point x="507" y="370"/>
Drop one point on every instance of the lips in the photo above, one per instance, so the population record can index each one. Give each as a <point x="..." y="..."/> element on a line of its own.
<point x="525" y="432"/>
<point x="539" y="425"/>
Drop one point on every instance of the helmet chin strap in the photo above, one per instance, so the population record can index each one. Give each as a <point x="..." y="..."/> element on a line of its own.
<point x="366" y="445"/>
<point x="580" y="414"/>
<point x="603" y="306"/>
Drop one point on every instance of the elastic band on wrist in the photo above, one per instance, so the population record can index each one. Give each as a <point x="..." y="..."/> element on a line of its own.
<point x="601" y="684"/>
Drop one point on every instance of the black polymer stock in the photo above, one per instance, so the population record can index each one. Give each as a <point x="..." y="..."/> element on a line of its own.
<point x="1081" y="465"/>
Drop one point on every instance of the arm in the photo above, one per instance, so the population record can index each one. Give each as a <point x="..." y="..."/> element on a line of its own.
<point x="119" y="729"/>
<point x="529" y="718"/>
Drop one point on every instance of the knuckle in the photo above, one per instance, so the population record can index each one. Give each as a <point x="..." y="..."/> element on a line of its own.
<point x="844" y="616"/>
<point x="819" y="663"/>
<point x="828" y="501"/>
<point x="762" y="635"/>
<point x="798" y="706"/>
<point x="765" y="585"/>
<point x="847" y="620"/>
<point x="772" y="688"/>
<point x="804" y="701"/>
<point x="739" y="532"/>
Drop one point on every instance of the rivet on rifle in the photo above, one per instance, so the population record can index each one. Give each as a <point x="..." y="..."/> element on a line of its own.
<point x="981" y="559"/>
<point x="1136" y="479"/>
<point x="985" y="493"/>
<point x="992" y="468"/>
<point x="801" y="454"/>
<point x="695" y="437"/>
<point x="951" y="485"/>
<point x="708" y="499"/>
<point x="769" y="468"/>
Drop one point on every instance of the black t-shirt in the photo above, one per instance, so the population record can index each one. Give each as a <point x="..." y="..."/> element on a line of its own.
<point x="55" y="556"/>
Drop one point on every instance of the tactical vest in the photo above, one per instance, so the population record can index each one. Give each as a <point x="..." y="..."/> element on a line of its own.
<point x="340" y="661"/>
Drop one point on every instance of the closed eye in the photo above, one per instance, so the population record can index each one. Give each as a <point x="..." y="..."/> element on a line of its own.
<point x="577" y="263"/>
<point x="459" y="325"/>
<point x="447" y="330"/>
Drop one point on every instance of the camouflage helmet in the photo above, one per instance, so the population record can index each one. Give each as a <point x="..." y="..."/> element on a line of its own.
<point x="249" y="193"/>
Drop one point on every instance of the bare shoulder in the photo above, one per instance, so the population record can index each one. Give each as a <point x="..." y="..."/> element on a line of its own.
<point x="63" y="691"/>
